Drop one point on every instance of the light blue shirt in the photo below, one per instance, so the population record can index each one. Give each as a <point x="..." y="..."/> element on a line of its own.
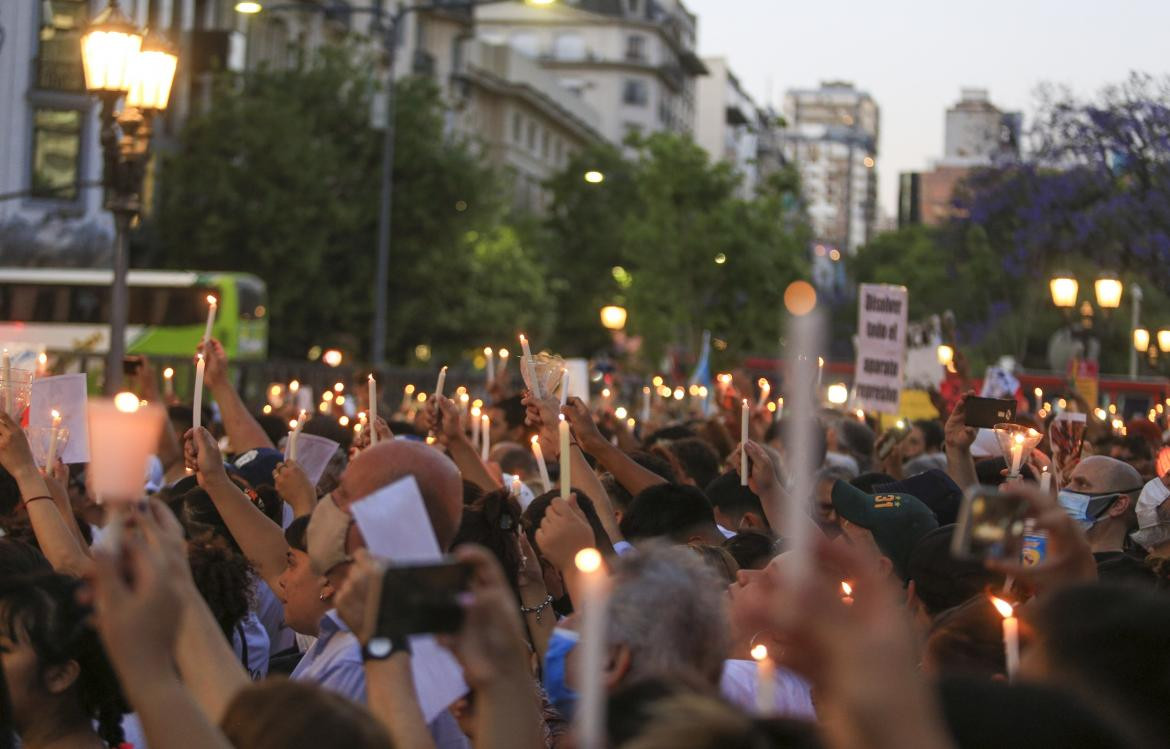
<point x="335" y="660"/>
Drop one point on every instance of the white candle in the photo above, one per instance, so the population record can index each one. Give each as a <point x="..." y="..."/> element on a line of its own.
<point x="566" y="471"/>
<point x="564" y="387"/>
<point x="54" y="430"/>
<point x="1017" y="453"/>
<point x="503" y="364"/>
<point x="1045" y="480"/>
<point x="490" y="367"/>
<point x="42" y="364"/>
<point x="765" y="681"/>
<point x="197" y="403"/>
<point x="6" y="371"/>
<point x="486" y="433"/>
<point x="524" y="347"/>
<point x="765" y="391"/>
<point x="645" y="405"/>
<point x="372" y="386"/>
<point x="407" y="397"/>
<point x="590" y="718"/>
<point x="212" y="305"/>
<point x="529" y="365"/>
<point x="516" y="484"/>
<point x="297" y="425"/>
<point x="1011" y="637"/>
<point x="744" y="415"/>
<point x="442" y="381"/>
<point x="169" y="382"/>
<point x="545" y="482"/>
<point x="475" y="423"/>
<point x="123" y="435"/>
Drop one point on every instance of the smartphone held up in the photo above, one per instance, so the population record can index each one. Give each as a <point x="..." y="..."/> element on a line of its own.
<point x="991" y="524"/>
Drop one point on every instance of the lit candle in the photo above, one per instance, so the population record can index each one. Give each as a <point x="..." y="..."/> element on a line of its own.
<point x="545" y="483"/>
<point x="169" y="382"/>
<point x="372" y="386"/>
<point x="846" y="593"/>
<point x="645" y="405"/>
<point x="212" y="305"/>
<point x="486" y="433"/>
<point x="765" y="681"/>
<point x="42" y="364"/>
<point x="527" y="364"/>
<point x="475" y="414"/>
<point x="503" y="364"/>
<point x="779" y="408"/>
<point x="407" y="397"/>
<point x="1011" y="636"/>
<point x="1045" y="480"/>
<point x="54" y="430"/>
<point x="1017" y="453"/>
<point x="566" y="476"/>
<point x="441" y="382"/>
<point x="765" y="391"/>
<point x="197" y="404"/>
<point x="590" y="718"/>
<point x="464" y="406"/>
<point x="527" y="351"/>
<point x="123" y="436"/>
<point x="516" y="484"/>
<point x="297" y="425"/>
<point x="564" y="386"/>
<point x="6" y="371"/>
<point x="743" y="440"/>
<point x="490" y="367"/>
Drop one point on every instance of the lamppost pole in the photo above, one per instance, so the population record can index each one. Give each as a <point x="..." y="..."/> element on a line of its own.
<point x="1135" y="295"/>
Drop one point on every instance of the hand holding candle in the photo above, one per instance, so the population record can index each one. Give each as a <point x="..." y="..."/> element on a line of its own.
<point x="297" y="425"/>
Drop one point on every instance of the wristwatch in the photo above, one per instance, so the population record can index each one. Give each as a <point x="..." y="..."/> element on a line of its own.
<point x="381" y="648"/>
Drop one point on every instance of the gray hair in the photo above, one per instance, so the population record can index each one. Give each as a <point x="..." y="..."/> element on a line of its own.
<point x="667" y="607"/>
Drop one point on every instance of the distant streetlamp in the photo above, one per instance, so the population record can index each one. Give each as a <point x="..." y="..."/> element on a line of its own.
<point x="594" y="177"/>
<point x="121" y="62"/>
<point x="1108" y="290"/>
<point x="1064" y="290"/>
<point x="1141" y="340"/>
<point x="613" y="317"/>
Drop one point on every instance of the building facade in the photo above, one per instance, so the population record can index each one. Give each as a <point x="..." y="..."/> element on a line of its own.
<point x="832" y="139"/>
<point x="728" y="123"/>
<point x="632" y="61"/>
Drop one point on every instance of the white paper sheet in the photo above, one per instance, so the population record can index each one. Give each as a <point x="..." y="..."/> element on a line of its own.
<point x="66" y="394"/>
<point x="394" y="523"/>
<point x="314" y="453"/>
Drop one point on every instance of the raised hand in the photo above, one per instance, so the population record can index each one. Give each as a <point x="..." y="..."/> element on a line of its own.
<point x="563" y="532"/>
<point x="215" y="363"/>
<point x="959" y="436"/>
<point x="202" y="455"/>
<point x="580" y="420"/>
<point x="1068" y="558"/>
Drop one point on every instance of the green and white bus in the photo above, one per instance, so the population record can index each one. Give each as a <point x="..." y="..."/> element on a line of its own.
<point x="67" y="311"/>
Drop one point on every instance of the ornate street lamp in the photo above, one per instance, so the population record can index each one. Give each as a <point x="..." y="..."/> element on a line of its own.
<point x="1108" y="290"/>
<point x="1141" y="340"/>
<point x="613" y="317"/>
<point x="1064" y="290"/>
<point x="120" y="61"/>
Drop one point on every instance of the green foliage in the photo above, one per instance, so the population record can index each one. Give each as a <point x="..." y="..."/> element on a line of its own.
<point x="281" y="177"/>
<point x="662" y="217"/>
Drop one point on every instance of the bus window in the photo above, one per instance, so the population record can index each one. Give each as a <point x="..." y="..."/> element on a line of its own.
<point x="251" y="299"/>
<point x="89" y="304"/>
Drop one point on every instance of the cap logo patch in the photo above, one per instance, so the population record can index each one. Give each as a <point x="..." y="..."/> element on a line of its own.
<point x="886" y="501"/>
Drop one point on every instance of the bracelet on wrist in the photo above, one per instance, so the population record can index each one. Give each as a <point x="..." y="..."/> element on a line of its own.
<point x="34" y="499"/>
<point x="538" y="610"/>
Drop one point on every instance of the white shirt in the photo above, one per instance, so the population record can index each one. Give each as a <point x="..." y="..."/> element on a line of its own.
<point x="793" y="695"/>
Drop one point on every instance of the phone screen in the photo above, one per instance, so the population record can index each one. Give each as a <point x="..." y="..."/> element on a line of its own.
<point x="987" y="412"/>
<point x="990" y="525"/>
<point x="896" y="433"/>
<point x="420" y="599"/>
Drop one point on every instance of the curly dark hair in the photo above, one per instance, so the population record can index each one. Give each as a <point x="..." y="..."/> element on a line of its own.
<point x="224" y="579"/>
<point x="493" y="521"/>
<point x="44" y="607"/>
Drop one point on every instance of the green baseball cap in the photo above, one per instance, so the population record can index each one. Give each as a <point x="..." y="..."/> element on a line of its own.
<point x="897" y="521"/>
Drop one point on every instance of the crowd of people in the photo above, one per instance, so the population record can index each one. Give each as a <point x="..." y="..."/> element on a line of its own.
<point x="228" y="606"/>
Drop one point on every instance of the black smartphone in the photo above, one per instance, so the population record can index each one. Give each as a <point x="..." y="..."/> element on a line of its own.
<point x="895" y="434"/>
<point x="990" y="525"/>
<point x="418" y="599"/>
<point x="130" y="366"/>
<point x="987" y="412"/>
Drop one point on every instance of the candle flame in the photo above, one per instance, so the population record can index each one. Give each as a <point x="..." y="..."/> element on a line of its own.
<point x="588" y="560"/>
<point x="503" y="353"/>
<point x="522" y="339"/>
<point x="1003" y="607"/>
<point x="760" y="652"/>
<point x="846" y="588"/>
<point x="485" y="419"/>
<point x="199" y="357"/>
<point x="745" y="405"/>
<point x="487" y="350"/>
<point x="409" y="390"/>
<point x="292" y="423"/>
<point x="127" y="403"/>
<point x="339" y="387"/>
<point x="656" y="381"/>
<point x="295" y="385"/>
<point x="343" y="421"/>
<point x="211" y="300"/>
<point x="475" y="412"/>
<point x="43" y="358"/>
<point x="1019" y="439"/>
<point x="561" y="417"/>
<point x="464" y="398"/>
<point x="535" y="440"/>
<point x="267" y="409"/>
<point x="370" y="377"/>
<point x="56" y="414"/>
<point x="763" y="383"/>
<point x="168" y="373"/>
<point x="771" y="407"/>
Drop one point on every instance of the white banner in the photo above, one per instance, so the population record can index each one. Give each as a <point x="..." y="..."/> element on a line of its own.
<point x="881" y="347"/>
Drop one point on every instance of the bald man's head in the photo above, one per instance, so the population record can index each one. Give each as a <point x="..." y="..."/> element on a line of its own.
<point x="386" y="462"/>
<point x="1099" y="474"/>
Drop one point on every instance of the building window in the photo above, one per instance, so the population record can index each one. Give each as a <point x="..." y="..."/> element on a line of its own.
<point x="531" y="136"/>
<point x="543" y="143"/>
<point x="526" y="44"/>
<point x="636" y="48"/>
<point x="517" y="127"/>
<point x="635" y="92"/>
<point x="56" y="153"/>
<point x="569" y="47"/>
<point x="59" y="53"/>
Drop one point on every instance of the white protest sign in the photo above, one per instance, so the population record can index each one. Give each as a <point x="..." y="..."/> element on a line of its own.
<point x="395" y="526"/>
<point x="578" y="379"/>
<point x="314" y="453"/>
<point x="881" y="347"/>
<point x="66" y="395"/>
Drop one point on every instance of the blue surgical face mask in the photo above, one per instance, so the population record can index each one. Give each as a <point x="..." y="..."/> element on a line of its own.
<point x="563" y="698"/>
<point x="1085" y="508"/>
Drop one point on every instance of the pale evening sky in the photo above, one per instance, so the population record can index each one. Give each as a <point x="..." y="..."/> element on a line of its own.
<point x="913" y="56"/>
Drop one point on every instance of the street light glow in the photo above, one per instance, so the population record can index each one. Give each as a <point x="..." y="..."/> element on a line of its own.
<point x="1108" y="290"/>
<point x="248" y="7"/>
<point x="594" y="177"/>
<point x="1064" y="290"/>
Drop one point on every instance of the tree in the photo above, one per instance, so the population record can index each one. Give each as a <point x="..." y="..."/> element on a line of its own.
<point x="666" y="235"/>
<point x="280" y="177"/>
